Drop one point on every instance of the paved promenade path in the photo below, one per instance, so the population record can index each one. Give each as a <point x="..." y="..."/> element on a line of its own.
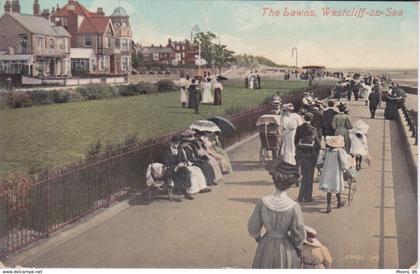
<point x="379" y="230"/>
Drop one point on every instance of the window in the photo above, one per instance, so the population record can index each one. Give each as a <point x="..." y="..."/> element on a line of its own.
<point x="117" y="43"/>
<point x="51" y="43"/>
<point x="40" y="42"/>
<point x="125" y="62"/>
<point x="22" y="45"/>
<point x="107" y="42"/>
<point x="107" y="63"/>
<point x="124" y="44"/>
<point x="14" y="66"/>
<point x="79" y="65"/>
<point x="155" y="56"/>
<point x="88" y="40"/>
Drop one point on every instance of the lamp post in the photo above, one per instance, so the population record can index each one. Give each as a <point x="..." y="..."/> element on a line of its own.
<point x="293" y="51"/>
<point x="195" y="30"/>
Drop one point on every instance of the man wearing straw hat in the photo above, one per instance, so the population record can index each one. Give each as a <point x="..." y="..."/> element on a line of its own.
<point x="335" y="162"/>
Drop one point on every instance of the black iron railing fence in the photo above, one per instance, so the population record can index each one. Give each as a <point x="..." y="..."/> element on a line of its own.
<point x="411" y="119"/>
<point x="32" y="210"/>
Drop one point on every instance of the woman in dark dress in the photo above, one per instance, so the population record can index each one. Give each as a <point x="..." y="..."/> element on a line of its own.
<point x="188" y="139"/>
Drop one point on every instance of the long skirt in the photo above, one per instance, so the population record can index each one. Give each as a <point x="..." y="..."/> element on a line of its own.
<point x="218" y="176"/>
<point x="197" y="179"/>
<point x="207" y="170"/>
<point x="217" y="96"/>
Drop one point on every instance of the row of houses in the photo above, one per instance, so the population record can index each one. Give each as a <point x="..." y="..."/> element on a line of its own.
<point x="68" y="40"/>
<point x="174" y="53"/>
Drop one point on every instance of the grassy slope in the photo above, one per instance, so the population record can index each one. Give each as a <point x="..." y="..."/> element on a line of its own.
<point x="53" y="135"/>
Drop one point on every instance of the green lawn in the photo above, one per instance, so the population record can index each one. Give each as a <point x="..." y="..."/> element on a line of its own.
<point x="54" y="135"/>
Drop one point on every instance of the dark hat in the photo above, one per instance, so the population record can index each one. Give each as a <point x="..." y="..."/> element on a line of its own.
<point x="308" y="116"/>
<point x="175" y="139"/>
<point x="188" y="135"/>
<point x="287" y="168"/>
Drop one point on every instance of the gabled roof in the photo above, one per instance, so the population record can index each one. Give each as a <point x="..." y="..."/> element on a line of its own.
<point x="78" y="9"/>
<point x="92" y="22"/>
<point x="38" y="25"/>
<point x="94" y="25"/>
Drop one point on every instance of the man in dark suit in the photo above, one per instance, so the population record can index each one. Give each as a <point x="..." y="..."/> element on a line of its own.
<point x="176" y="162"/>
<point x="326" y="121"/>
<point x="316" y="120"/>
<point x="307" y="150"/>
<point x="374" y="100"/>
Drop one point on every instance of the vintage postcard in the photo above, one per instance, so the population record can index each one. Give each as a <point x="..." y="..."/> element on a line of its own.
<point x="208" y="134"/>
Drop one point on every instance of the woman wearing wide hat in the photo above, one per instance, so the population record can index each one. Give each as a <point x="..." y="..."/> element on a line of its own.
<point x="341" y="124"/>
<point x="335" y="162"/>
<point x="290" y="121"/>
<point x="282" y="220"/>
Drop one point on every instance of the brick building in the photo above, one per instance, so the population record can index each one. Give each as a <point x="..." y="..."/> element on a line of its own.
<point x="157" y="55"/>
<point x="185" y="51"/>
<point x="32" y="45"/>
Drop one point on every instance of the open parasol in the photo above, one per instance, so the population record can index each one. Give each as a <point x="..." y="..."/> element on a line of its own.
<point x="226" y="127"/>
<point x="205" y="125"/>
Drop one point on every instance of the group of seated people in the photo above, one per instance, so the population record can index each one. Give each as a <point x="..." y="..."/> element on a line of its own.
<point x="193" y="162"/>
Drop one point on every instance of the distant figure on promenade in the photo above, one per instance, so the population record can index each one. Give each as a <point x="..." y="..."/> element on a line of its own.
<point x="282" y="220"/>
<point x="183" y="97"/>
<point x="314" y="254"/>
<point x="207" y="94"/>
<point x="218" y="88"/>
<point x="246" y="82"/>
<point x="258" y="81"/>
<point x="341" y="124"/>
<point x="194" y="96"/>
<point x="327" y="118"/>
<point x="307" y="150"/>
<point x="334" y="161"/>
<point x="374" y="100"/>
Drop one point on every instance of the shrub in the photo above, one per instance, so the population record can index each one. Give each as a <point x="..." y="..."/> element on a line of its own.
<point x="96" y="91"/>
<point x="131" y="139"/>
<point x="18" y="99"/>
<point x="60" y="96"/>
<point x="166" y="85"/>
<point x="146" y="88"/>
<point x="94" y="149"/>
<point x="41" y="97"/>
<point x="14" y="196"/>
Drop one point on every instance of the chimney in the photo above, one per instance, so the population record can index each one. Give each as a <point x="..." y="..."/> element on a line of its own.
<point x="72" y="24"/>
<point x="7" y="7"/>
<point x="37" y="9"/>
<point x="100" y="11"/>
<point x="46" y="14"/>
<point x="152" y="45"/>
<point x="16" y="6"/>
<point x="160" y="46"/>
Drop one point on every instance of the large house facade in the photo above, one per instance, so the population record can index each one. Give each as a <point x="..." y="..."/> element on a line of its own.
<point x="94" y="30"/>
<point x="32" y="45"/>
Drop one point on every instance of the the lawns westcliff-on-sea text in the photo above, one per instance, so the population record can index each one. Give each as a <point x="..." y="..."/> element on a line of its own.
<point x="329" y="12"/>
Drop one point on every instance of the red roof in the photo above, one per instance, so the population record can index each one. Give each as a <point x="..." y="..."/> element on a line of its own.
<point x="92" y="22"/>
<point x="78" y="9"/>
<point x="94" y="25"/>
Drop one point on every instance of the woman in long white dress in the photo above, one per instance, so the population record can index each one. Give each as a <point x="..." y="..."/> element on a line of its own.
<point x="183" y="97"/>
<point x="290" y="122"/>
<point x="207" y="96"/>
<point x="251" y="82"/>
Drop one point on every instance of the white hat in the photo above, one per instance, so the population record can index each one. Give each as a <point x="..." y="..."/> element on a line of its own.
<point x="335" y="141"/>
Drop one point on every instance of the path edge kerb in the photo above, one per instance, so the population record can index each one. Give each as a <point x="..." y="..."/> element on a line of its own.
<point x="408" y="150"/>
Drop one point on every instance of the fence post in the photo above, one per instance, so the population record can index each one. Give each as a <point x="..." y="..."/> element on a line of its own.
<point x="108" y="180"/>
<point x="47" y="205"/>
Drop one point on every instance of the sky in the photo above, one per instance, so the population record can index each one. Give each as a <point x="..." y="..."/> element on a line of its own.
<point x="374" y="40"/>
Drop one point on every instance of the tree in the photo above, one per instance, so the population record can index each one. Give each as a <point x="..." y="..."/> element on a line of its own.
<point x="223" y="57"/>
<point x="137" y="60"/>
<point x="204" y="39"/>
